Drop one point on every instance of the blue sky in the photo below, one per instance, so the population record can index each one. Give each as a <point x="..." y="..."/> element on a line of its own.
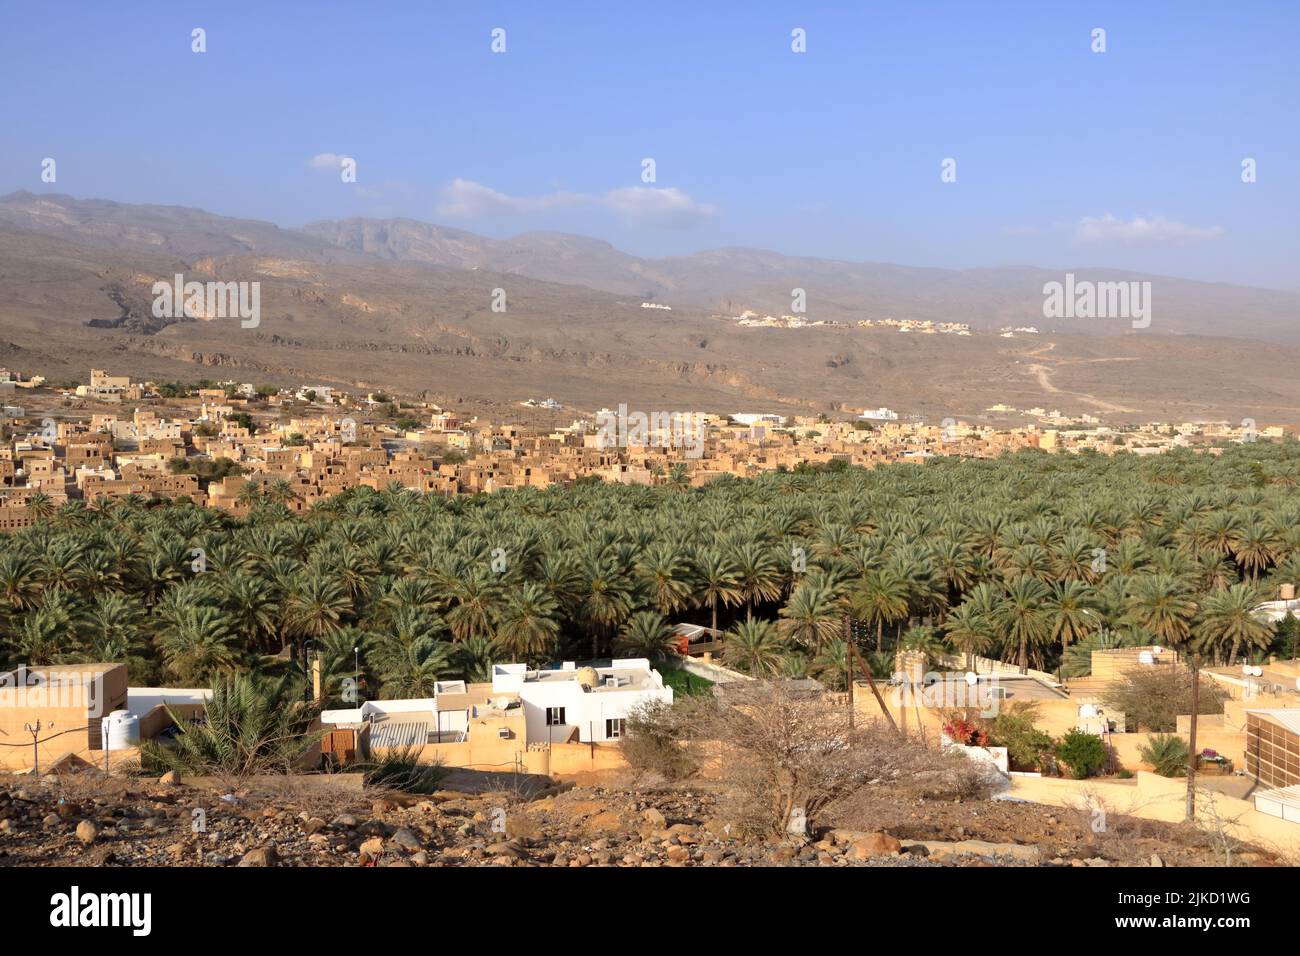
<point x="1129" y="158"/>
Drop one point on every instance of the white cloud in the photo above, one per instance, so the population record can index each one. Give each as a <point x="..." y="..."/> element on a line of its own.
<point x="1156" y="229"/>
<point x="666" y="207"/>
<point x="326" y="161"/>
<point x="466" y="199"/>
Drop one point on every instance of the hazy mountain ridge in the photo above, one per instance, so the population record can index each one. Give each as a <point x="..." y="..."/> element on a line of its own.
<point x="407" y="306"/>
<point x="726" y="280"/>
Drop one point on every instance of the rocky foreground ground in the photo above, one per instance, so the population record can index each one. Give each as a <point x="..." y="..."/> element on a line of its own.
<point x="92" y="820"/>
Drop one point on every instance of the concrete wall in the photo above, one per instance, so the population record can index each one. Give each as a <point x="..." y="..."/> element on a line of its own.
<point x="1153" y="797"/>
<point x="709" y="670"/>
<point x="987" y="665"/>
<point x="557" y="760"/>
<point x="69" y="712"/>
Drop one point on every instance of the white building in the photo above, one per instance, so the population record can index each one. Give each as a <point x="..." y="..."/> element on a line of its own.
<point x="586" y="704"/>
<point x="758" y="418"/>
<point x="594" y="701"/>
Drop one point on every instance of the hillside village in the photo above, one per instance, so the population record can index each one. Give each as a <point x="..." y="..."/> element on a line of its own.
<point x="519" y="727"/>
<point x="229" y="445"/>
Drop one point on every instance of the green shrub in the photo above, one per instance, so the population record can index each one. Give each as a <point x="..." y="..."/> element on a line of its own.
<point x="1082" y="752"/>
<point x="1167" y="754"/>
<point x="249" y="726"/>
<point x="1015" y="730"/>
<point x="400" y="769"/>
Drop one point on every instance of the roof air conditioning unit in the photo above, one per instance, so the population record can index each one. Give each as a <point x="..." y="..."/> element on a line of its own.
<point x="998" y="693"/>
<point x="503" y="732"/>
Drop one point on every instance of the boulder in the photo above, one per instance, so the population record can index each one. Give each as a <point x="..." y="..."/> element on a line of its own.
<point x="872" y="845"/>
<point x="259" y="856"/>
<point x="405" y="839"/>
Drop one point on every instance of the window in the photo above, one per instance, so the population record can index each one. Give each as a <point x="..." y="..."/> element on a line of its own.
<point x="554" y="716"/>
<point x="613" y="728"/>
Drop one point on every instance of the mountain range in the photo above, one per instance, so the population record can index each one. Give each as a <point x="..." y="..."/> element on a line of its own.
<point x="407" y="305"/>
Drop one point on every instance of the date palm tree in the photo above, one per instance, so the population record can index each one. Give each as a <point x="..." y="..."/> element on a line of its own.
<point x="717" y="581"/>
<point x="1073" y="612"/>
<point x="646" y="634"/>
<point x="605" y="599"/>
<point x="1162" y="606"/>
<point x="527" y="626"/>
<point x="410" y="660"/>
<point x="880" y="599"/>
<point x="755" y="647"/>
<point x="314" y="606"/>
<point x="758" y="575"/>
<point x="811" y="617"/>
<point x="1228" y="619"/>
<point x="20" y="579"/>
<point x="41" y="505"/>
<point x="665" y="573"/>
<point x="199" y="645"/>
<point x="970" y="630"/>
<point x="252" y="607"/>
<point x="1022" y="618"/>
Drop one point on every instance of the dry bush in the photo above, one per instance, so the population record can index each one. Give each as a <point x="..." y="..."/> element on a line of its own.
<point x="306" y="793"/>
<point x="1152" y="698"/>
<point x="784" y="749"/>
<point x="662" y="741"/>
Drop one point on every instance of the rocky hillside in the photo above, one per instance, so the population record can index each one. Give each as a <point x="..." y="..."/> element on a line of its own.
<point x="87" y="820"/>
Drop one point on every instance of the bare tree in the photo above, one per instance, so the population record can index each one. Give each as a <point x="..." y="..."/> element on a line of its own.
<point x="784" y="749"/>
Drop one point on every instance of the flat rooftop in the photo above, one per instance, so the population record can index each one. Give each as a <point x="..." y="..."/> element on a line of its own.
<point x="141" y="700"/>
<point x="953" y="687"/>
<point x="627" y="678"/>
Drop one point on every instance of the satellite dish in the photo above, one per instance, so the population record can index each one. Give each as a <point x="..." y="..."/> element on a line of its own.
<point x="1257" y="671"/>
<point x="972" y="679"/>
<point x="1146" y="657"/>
<point x="1088" y="710"/>
<point x="1157" y="649"/>
<point x="1247" y="669"/>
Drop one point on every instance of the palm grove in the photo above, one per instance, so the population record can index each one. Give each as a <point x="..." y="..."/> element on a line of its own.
<point x="1032" y="557"/>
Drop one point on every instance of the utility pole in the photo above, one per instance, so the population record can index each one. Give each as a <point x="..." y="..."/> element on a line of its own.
<point x="1191" y="742"/>
<point x="848" y="655"/>
<point x="871" y="682"/>
<point x="35" y="731"/>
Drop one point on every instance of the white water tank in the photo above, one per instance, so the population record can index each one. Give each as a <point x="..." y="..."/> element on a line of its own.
<point x="120" y="730"/>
